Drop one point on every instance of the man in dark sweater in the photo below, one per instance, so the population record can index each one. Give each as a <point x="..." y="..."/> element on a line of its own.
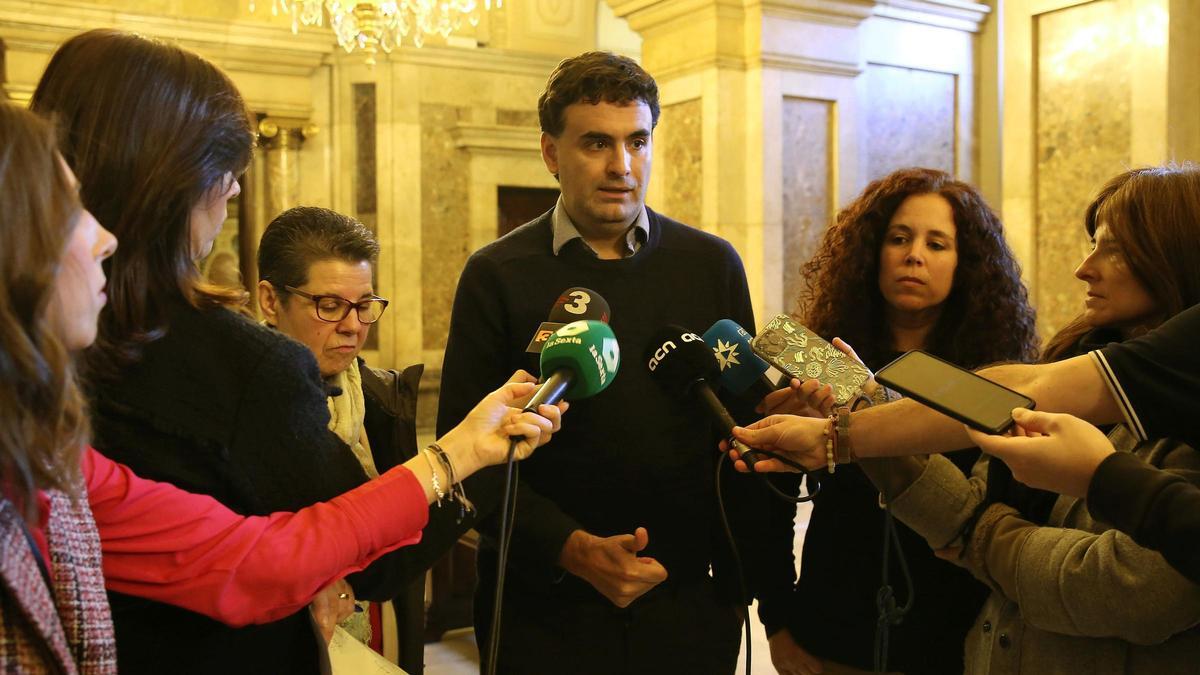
<point x="616" y="524"/>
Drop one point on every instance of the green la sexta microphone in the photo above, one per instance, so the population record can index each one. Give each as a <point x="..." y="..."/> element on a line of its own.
<point x="578" y="361"/>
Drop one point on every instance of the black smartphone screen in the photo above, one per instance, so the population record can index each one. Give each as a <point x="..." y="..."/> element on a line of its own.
<point x="957" y="392"/>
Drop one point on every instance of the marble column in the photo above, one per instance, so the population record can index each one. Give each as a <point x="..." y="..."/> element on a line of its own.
<point x="281" y="141"/>
<point x="1091" y="89"/>
<point x="776" y="113"/>
<point x="271" y="184"/>
<point x="3" y="70"/>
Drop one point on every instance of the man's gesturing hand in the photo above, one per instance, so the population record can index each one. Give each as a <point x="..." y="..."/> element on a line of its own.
<point x="611" y="564"/>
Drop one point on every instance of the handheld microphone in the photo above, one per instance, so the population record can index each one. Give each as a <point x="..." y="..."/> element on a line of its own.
<point x="574" y="304"/>
<point x="683" y="364"/>
<point x="578" y="360"/>
<point x="741" y="370"/>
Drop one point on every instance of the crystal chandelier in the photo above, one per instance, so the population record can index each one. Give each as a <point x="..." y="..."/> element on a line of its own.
<point x="374" y="25"/>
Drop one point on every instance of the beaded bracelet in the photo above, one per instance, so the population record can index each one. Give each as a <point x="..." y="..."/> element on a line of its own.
<point x="457" y="492"/>
<point x="438" y="494"/>
<point x="830" y="433"/>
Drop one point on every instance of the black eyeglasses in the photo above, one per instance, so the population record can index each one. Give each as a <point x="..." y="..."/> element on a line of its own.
<point x="333" y="309"/>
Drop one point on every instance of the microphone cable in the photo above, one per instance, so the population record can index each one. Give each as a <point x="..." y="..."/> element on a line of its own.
<point x="814" y="490"/>
<point x="737" y="558"/>
<point x="814" y="483"/>
<point x="507" y="518"/>
<point x="885" y="599"/>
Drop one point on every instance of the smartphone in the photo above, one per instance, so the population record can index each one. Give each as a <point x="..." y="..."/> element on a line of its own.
<point x="975" y="401"/>
<point x="804" y="355"/>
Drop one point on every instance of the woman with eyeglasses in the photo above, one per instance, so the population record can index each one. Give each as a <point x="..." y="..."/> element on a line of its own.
<point x="316" y="286"/>
<point x="183" y="388"/>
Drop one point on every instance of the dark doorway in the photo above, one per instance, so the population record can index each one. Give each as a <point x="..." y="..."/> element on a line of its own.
<point x="516" y="206"/>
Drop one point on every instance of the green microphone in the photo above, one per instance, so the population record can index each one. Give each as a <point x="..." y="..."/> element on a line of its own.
<point x="578" y="361"/>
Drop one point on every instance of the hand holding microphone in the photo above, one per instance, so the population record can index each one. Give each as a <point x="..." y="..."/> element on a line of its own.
<point x="482" y="438"/>
<point x="580" y="359"/>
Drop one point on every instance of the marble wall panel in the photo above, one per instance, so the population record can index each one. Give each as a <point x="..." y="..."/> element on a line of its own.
<point x="911" y="119"/>
<point x="366" y="191"/>
<point x="680" y="138"/>
<point x="1083" y="122"/>
<point x="807" y="186"/>
<point x="517" y="118"/>
<point x="366" y="177"/>
<point x="445" y="217"/>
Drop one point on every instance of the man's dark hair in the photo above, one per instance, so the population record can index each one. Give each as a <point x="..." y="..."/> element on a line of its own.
<point x="593" y="77"/>
<point x="304" y="235"/>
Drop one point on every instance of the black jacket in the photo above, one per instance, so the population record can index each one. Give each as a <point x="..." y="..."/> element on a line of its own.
<point x="224" y="407"/>
<point x="391" y="402"/>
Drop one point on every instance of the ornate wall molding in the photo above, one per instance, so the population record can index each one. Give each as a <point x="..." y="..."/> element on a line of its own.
<point x="485" y="59"/>
<point x="243" y="45"/>
<point x="956" y="14"/>
<point x="34" y="29"/>
<point x="809" y="64"/>
<point x="497" y="139"/>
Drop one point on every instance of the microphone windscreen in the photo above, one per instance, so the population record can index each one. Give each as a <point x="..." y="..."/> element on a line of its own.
<point x="589" y="350"/>
<point x="740" y="367"/>
<point x="677" y="358"/>
<point x="577" y="304"/>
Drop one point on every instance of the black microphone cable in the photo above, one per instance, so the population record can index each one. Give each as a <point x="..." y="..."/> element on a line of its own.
<point x="885" y="599"/>
<point x="507" y="516"/>
<point x="814" y="487"/>
<point x="737" y="558"/>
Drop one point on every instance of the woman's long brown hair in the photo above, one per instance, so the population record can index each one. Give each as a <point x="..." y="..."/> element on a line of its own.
<point x="43" y="423"/>
<point x="985" y="319"/>
<point x="150" y="130"/>
<point x="1154" y="215"/>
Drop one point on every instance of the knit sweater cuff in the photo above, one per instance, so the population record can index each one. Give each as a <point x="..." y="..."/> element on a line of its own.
<point x="995" y="547"/>
<point x="937" y="504"/>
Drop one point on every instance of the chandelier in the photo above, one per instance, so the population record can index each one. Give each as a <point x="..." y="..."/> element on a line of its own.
<point x="374" y="25"/>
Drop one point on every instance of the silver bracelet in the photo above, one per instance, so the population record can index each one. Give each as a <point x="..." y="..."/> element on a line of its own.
<point x="438" y="494"/>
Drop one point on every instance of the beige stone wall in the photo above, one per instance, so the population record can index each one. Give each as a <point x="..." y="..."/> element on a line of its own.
<point x="680" y="140"/>
<point x="911" y="116"/>
<point x="808" y="158"/>
<point x="1090" y="89"/>
<point x="801" y="104"/>
<point x="1084" y="121"/>
<point x="452" y="122"/>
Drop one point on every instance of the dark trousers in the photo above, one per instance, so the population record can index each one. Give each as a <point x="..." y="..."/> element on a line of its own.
<point x="678" y="627"/>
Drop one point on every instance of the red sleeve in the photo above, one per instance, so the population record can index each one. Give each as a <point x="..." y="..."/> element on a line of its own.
<point x="165" y="544"/>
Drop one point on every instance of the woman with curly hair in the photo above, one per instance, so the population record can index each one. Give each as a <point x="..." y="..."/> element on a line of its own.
<point x="918" y="261"/>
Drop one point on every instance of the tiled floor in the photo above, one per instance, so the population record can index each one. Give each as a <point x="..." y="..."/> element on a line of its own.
<point x="456" y="654"/>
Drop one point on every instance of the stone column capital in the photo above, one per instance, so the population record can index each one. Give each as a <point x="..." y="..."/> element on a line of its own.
<point x="287" y="133"/>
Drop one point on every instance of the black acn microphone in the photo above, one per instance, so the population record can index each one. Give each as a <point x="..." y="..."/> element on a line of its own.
<point x="683" y="364"/>
<point x="574" y="304"/>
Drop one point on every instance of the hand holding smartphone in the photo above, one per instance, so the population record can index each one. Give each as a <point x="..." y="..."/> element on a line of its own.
<point x="804" y="355"/>
<point x="973" y="400"/>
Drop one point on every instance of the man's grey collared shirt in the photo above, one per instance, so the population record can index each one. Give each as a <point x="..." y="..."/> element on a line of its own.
<point x="565" y="231"/>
